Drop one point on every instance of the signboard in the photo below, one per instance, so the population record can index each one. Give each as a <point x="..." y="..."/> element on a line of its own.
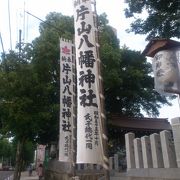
<point x="89" y="140"/>
<point x="166" y="72"/>
<point x="67" y="94"/>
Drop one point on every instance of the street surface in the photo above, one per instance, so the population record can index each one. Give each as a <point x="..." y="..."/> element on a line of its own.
<point x="5" y="174"/>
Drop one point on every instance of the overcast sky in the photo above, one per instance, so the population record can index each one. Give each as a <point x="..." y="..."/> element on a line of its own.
<point x="40" y="8"/>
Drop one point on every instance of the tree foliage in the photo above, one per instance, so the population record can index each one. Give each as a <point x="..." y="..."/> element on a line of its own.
<point x="162" y="20"/>
<point x="5" y="150"/>
<point x="17" y="97"/>
<point x="8" y="152"/>
<point x="29" y="91"/>
<point x="46" y="66"/>
<point x="18" y="94"/>
<point x="128" y="84"/>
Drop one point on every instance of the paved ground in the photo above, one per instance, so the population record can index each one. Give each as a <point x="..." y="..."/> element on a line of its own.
<point x="25" y="176"/>
<point x="5" y="174"/>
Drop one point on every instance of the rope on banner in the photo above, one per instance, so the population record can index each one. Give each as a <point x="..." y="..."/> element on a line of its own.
<point x="102" y="99"/>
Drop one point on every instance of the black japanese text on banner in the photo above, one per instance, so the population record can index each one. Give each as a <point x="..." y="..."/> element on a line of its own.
<point x="89" y="141"/>
<point x="66" y="101"/>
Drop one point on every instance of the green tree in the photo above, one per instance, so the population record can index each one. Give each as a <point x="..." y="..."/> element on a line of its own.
<point x="162" y="20"/>
<point x="28" y="152"/>
<point x="6" y="151"/>
<point x="128" y="84"/>
<point x="18" y="92"/>
<point x="29" y="95"/>
<point x="46" y="66"/>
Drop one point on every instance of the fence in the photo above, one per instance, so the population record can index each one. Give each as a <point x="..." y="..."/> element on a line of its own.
<point x="155" y="153"/>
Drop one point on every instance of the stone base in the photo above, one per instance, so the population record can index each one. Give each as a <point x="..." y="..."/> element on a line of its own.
<point x="63" y="171"/>
<point x="171" y="173"/>
<point x="139" y="178"/>
<point x="51" y="175"/>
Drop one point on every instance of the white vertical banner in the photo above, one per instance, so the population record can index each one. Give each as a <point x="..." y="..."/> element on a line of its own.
<point x="66" y="101"/>
<point x="89" y="140"/>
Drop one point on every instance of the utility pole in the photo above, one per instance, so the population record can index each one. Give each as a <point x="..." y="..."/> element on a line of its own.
<point x="9" y="15"/>
<point x="20" y="34"/>
<point x="2" y="43"/>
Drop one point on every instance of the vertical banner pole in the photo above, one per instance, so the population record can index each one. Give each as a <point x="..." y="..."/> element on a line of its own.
<point x="74" y="133"/>
<point x="68" y="104"/>
<point x="89" y="126"/>
<point x="67" y="101"/>
<point x="102" y="101"/>
<point x="91" y="133"/>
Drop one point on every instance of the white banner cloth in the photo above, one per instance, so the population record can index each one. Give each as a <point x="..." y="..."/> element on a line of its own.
<point x="66" y="101"/>
<point x="89" y="141"/>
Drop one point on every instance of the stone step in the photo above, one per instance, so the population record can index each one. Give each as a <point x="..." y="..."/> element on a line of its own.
<point x="138" y="178"/>
<point x="123" y="176"/>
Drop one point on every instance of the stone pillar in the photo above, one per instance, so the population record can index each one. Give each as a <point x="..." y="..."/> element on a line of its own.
<point x="98" y="167"/>
<point x="53" y="151"/>
<point x="85" y="167"/>
<point x="146" y="152"/>
<point x="76" y="178"/>
<point x="110" y="163"/>
<point x="78" y="167"/>
<point x="176" y="134"/>
<point x="157" y="158"/>
<point x="168" y="150"/>
<point x="129" y="137"/>
<point x="116" y="162"/>
<point x="91" y="166"/>
<point x="138" y="153"/>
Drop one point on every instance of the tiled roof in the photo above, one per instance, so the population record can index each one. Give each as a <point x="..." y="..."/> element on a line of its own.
<point x="140" y="123"/>
<point x="157" y="45"/>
